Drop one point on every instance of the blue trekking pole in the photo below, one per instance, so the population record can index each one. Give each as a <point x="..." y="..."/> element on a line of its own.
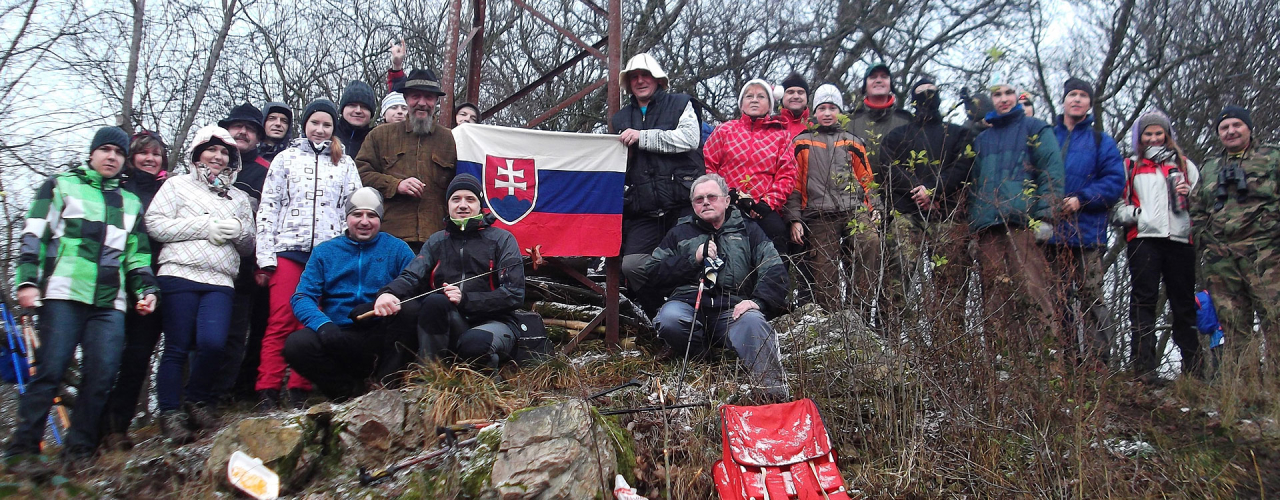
<point x="11" y="330"/>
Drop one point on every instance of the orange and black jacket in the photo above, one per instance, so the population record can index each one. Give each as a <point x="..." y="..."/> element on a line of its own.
<point x="829" y="159"/>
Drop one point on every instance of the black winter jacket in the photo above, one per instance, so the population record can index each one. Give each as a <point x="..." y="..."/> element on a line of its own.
<point x="657" y="182"/>
<point x="452" y="255"/>
<point x="352" y="137"/>
<point x="752" y="268"/>
<point x="927" y="152"/>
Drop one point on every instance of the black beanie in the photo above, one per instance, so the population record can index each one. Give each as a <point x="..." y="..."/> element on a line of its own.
<point x="1074" y="83"/>
<point x="922" y="81"/>
<point x="110" y="135"/>
<point x="359" y="92"/>
<point x="246" y="113"/>
<point x="464" y="181"/>
<point x="319" y="105"/>
<point x="795" y="80"/>
<point x="1235" y="112"/>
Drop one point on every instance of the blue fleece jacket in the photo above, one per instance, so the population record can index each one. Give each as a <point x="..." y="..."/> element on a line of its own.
<point x="344" y="273"/>
<point x="1095" y="175"/>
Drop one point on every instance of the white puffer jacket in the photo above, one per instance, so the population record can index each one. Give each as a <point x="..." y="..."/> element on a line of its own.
<point x="185" y="208"/>
<point x="303" y="200"/>
<point x="1147" y="210"/>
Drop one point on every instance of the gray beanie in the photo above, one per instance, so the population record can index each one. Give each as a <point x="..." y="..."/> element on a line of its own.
<point x="365" y="198"/>
<point x="361" y="93"/>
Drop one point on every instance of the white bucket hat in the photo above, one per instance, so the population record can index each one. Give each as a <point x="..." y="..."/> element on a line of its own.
<point x="643" y="61"/>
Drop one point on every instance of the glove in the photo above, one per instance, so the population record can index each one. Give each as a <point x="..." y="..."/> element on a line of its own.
<point x="1044" y="231"/>
<point x="360" y="309"/>
<point x="213" y="234"/>
<point x="228" y="228"/>
<point x="329" y="332"/>
<point x="762" y="208"/>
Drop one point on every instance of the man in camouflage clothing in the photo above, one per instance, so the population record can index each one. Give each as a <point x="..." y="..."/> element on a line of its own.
<point x="1236" y="212"/>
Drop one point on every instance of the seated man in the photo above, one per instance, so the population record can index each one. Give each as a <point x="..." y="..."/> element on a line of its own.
<point x="744" y="278"/>
<point x="334" y="352"/>
<point x="470" y="318"/>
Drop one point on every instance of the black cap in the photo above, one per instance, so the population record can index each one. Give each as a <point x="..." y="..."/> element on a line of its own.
<point x="361" y="93"/>
<point x="1235" y="112"/>
<point x="924" y="80"/>
<point x="246" y="113"/>
<point x="795" y="80"/>
<point x="1074" y="83"/>
<point x="464" y="181"/>
<point x="320" y="105"/>
<point x="420" y="79"/>
<point x="110" y="135"/>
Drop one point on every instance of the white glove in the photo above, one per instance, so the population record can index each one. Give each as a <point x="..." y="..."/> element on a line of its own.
<point x="1044" y="231"/>
<point x="228" y="228"/>
<point x="214" y="234"/>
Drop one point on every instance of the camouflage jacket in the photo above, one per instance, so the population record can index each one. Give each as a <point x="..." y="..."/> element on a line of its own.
<point x="1235" y="216"/>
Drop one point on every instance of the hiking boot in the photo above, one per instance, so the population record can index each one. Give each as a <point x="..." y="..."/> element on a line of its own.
<point x="31" y="467"/>
<point x="76" y="464"/>
<point x="173" y="425"/>
<point x="268" y="400"/>
<point x="117" y="441"/>
<point x="298" y="398"/>
<point x="202" y="416"/>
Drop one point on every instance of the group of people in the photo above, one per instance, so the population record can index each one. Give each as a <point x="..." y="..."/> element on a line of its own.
<point x="316" y="247"/>
<point x="323" y="245"/>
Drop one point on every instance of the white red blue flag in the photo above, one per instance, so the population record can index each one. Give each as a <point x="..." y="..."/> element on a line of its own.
<point x="558" y="190"/>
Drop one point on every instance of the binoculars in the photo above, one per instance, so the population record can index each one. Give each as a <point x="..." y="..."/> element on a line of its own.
<point x="1232" y="174"/>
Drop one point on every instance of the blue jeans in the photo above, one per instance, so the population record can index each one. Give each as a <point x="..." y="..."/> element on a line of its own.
<point x="198" y="318"/>
<point x="63" y="325"/>
<point x="750" y="336"/>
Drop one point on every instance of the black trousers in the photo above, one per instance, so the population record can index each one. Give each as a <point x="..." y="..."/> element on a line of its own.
<point x="339" y="364"/>
<point x="1150" y="261"/>
<point x="141" y="333"/>
<point x="442" y="330"/>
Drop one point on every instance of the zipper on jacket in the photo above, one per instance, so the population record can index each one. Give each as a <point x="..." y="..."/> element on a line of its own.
<point x="360" y="270"/>
<point x="315" y="186"/>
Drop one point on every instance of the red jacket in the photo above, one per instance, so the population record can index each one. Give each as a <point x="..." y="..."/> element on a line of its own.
<point x="796" y="125"/>
<point x="754" y="155"/>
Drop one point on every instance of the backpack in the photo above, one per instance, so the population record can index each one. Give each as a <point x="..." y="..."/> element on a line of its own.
<point x="1207" y="319"/>
<point x="780" y="451"/>
<point x="532" y="345"/>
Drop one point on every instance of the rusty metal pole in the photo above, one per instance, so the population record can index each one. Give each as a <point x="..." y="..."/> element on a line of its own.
<point x="613" y="265"/>
<point x="451" y="60"/>
<point x="477" y="52"/>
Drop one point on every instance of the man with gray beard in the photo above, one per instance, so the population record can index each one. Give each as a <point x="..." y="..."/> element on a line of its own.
<point x="411" y="163"/>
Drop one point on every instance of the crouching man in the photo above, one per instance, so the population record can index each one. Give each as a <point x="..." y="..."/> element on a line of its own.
<point x="336" y="352"/>
<point x="480" y="274"/>
<point x="744" y="279"/>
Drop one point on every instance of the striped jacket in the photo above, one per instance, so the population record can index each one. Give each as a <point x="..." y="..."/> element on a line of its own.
<point x="84" y="241"/>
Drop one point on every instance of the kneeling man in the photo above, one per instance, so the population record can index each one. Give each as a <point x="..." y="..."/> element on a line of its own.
<point x="743" y="279"/>
<point x="341" y="281"/>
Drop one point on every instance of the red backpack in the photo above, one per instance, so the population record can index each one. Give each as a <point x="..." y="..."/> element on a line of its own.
<point x="777" y="452"/>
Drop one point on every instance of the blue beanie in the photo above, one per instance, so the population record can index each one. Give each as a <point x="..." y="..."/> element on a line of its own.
<point x="110" y="135"/>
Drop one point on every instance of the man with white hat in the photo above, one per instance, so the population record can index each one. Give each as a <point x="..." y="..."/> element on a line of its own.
<point x="662" y="131"/>
<point x="341" y="280"/>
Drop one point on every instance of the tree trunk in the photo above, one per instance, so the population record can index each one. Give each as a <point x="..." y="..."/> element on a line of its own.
<point x="131" y="75"/>
<point x="180" y="138"/>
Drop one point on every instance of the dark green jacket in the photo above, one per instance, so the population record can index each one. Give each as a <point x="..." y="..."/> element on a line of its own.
<point x="1017" y="175"/>
<point x="752" y="268"/>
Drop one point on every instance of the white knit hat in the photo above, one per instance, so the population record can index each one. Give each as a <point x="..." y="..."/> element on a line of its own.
<point x="828" y="94"/>
<point x="392" y="99"/>
<point x="768" y="90"/>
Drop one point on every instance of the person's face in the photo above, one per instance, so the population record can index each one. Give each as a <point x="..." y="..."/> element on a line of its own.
<point x="215" y="157"/>
<point x="795" y="99"/>
<point x="755" y="102"/>
<point x="107" y="160"/>
<point x="277" y="126"/>
<point x="357" y="114"/>
<point x="319" y="127"/>
<point x="1153" y="135"/>
<point x="149" y="160"/>
<point x="827" y="114"/>
<point x="466" y="115"/>
<point x="878" y="83"/>
<point x="1004" y="98"/>
<point x="422" y="104"/>
<point x="1076" y="104"/>
<point x="643" y="84"/>
<point x="1234" y="134"/>
<point x="363" y="224"/>
<point x="463" y="203"/>
<point x="709" y="203"/>
<point x="396" y="114"/>
<point x="246" y="136"/>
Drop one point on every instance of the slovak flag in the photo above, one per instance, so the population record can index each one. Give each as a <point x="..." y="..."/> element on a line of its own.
<point x="560" y="190"/>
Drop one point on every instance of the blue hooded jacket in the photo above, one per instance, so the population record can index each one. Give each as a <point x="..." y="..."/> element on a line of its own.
<point x="1017" y="175"/>
<point x="1094" y="174"/>
<point x="343" y="273"/>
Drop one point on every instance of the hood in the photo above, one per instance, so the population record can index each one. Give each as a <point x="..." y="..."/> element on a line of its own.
<point x="280" y="107"/>
<point x="643" y="61"/>
<point x="215" y="134"/>
<point x="306" y="145"/>
<point x="996" y="119"/>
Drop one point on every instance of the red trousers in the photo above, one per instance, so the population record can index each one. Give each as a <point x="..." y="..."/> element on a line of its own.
<point x="280" y="323"/>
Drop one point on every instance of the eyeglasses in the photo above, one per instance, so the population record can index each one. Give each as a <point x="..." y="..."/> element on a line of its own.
<point x="709" y="198"/>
